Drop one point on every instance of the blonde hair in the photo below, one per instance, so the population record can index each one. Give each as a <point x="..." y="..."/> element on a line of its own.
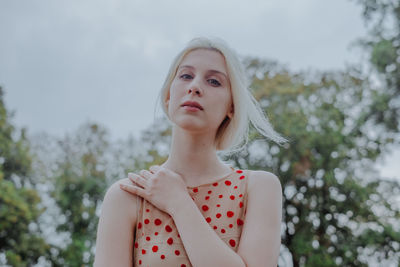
<point x="232" y="135"/>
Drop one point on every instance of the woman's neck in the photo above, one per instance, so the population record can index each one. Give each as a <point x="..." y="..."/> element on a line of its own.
<point x="193" y="156"/>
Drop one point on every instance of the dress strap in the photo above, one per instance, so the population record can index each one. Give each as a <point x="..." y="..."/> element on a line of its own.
<point x="247" y="174"/>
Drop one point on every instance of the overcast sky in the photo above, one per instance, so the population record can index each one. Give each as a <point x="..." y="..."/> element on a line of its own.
<point x="64" y="63"/>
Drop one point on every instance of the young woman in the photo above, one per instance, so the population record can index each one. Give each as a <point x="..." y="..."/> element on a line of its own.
<point x="195" y="210"/>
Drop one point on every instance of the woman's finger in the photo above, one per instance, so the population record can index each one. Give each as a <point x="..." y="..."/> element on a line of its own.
<point x="133" y="190"/>
<point x="137" y="179"/>
<point x="146" y="174"/>
<point x="154" y="168"/>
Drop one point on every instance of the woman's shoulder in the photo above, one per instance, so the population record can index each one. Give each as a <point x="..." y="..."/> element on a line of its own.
<point x="120" y="199"/>
<point x="117" y="222"/>
<point x="262" y="179"/>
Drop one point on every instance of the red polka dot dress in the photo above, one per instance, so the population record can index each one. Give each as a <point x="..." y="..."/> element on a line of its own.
<point x="223" y="205"/>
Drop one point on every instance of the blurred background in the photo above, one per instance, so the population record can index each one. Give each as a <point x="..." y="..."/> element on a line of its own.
<point x="78" y="89"/>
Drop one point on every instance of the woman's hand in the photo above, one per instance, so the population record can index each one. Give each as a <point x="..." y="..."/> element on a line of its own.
<point x="162" y="187"/>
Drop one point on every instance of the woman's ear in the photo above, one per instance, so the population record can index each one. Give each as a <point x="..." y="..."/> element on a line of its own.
<point x="166" y="102"/>
<point x="231" y="112"/>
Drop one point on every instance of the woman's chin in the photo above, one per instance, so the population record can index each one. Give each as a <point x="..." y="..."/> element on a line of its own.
<point x="192" y="125"/>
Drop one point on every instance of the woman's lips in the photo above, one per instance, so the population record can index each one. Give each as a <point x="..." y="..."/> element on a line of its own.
<point x="190" y="108"/>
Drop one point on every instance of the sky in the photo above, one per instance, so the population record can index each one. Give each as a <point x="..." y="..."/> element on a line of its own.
<point x="65" y="63"/>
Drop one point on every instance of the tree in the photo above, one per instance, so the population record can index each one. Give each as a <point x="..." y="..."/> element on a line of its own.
<point x="382" y="46"/>
<point x="20" y="235"/>
<point x="77" y="170"/>
<point x="79" y="186"/>
<point x="336" y="212"/>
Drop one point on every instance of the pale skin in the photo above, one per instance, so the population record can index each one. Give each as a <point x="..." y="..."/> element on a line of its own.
<point x="202" y="76"/>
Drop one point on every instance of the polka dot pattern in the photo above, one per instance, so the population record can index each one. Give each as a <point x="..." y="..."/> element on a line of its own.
<point x="223" y="205"/>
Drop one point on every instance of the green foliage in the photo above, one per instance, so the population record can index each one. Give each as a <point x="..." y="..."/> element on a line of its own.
<point x="14" y="153"/>
<point x="19" y="204"/>
<point x="330" y="192"/>
<point x="383" y="55"/>
<point x="85" y="163"/>
<point x="383" y="47"/>
<point x="79" y="186"/>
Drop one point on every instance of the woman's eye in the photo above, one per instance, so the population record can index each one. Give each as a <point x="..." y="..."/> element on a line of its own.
<point x="186" y="76"/>
<point x="214" y="82"/>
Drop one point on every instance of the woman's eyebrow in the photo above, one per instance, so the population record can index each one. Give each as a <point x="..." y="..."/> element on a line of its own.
<point x="214" y="71"/>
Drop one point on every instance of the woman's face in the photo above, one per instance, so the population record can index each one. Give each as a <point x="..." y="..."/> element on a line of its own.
<point x="202" y="76"/>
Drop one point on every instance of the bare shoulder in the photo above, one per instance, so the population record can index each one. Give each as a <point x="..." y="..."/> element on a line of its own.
<point x="114" y="242"/>
<point x="120" y="199"/>
<point x="263" y="179"/>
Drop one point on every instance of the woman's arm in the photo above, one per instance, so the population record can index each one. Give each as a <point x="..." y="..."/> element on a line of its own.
<point x="260" y="239"/>
<point x="261" y="234"/>
<point x="115" y="232"/>
<point x="202" y="245"/>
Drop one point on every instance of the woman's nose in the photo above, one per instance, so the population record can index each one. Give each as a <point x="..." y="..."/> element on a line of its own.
<point x="195" y="88"/>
